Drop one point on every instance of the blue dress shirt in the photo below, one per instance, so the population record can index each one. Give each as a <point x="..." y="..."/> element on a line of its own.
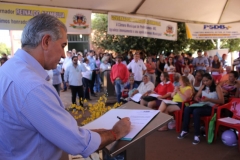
<point x="92" y="62"/>
<point x="56" y="79"/>
<point x="33" y="121"/>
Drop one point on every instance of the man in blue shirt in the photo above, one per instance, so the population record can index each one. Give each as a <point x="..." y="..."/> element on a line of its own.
<point x="200" y="62"/>
<point x="33" y="121"/>
<point x="92" y="63"/>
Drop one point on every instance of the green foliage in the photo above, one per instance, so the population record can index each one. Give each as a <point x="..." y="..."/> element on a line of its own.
<point x="232" y="44"/>
<point x="4" y="49"/>
<point x="121" y="44"/>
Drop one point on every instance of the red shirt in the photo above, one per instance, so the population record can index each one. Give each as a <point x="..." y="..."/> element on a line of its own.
<point x="119" y="71"/>
<point x="150" y="68"/>
<point x="164" y="88"/>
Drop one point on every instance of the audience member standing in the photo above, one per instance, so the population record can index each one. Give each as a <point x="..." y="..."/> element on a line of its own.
<point x="97" y="83"/>
<point x="57" y="80"/>
<point x="137" y="67"/>
<point x="67" y="61"/>
<point x="87" y="75"/>
<point x="73" y="77"/>
<point x="160" y="68"/>
<point x="151" y="66"/>
<point x="236" y="62"/>
<point x="119" y="75"/>
<point x="200" y="62"/>
<point x="187" y="66"/>
<point x="178" y="64"/>
<point x="216" y="69"/>
<point x="224" y="63"/>
<point x="80" y="57"/>
<point x="170" y="68"/>
<point x="105" y="65"/>
<point x="94" y="70"/>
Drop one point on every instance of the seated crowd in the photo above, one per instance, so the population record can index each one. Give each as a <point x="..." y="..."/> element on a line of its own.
<point x="199" y="80"/>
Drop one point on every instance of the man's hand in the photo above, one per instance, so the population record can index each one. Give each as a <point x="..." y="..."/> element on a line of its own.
<point x="122" y="127"/>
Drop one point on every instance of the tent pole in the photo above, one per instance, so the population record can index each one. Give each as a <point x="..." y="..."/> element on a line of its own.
<point x="225" y="6"/>
<point x="138" y="6"/>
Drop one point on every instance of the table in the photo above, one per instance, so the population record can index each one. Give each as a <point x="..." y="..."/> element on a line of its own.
<point x="135" y="149"/>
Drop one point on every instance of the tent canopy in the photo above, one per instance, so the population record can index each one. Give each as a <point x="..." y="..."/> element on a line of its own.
<point x="196" y="11"/>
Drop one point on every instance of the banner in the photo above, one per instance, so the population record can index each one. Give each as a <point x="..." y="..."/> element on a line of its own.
<point x="124" y="24"/>
<point x="213" y="31"/>
<point x="15" y="17"/>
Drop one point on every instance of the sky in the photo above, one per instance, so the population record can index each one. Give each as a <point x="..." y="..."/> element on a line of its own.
<point x="5" y="38"/>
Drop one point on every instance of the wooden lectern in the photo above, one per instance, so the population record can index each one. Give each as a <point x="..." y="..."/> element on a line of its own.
<point x="107" y="84"/>
<point x="135" y="149"/>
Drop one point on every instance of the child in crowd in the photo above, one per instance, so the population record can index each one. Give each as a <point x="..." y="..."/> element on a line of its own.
<point x="176" y="79"/>
<point x="129" y="88"/>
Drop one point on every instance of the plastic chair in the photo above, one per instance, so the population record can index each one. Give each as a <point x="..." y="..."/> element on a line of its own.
<point x="178" y="115"/>
<point x="234" y="106"/>
<point x="207" y="119"/>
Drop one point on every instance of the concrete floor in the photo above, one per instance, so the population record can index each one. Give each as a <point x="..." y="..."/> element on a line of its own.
<point x="166" y="146"/>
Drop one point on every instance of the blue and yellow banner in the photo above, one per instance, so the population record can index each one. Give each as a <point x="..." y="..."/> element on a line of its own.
<point x="213" y="31"/>
<point x="15" y="17"/>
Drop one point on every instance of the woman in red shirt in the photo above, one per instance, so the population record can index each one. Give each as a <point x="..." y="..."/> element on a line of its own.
<point x="151" y="66"/>
<point x="163" y="89"/>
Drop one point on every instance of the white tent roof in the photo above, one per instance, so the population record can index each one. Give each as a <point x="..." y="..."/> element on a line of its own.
<point x="197" y="11"/>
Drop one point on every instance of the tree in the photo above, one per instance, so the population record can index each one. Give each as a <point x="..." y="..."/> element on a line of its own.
<point x="4" y="49"/>
<point x="232" y="44"/>
<point x="125" y="43"/>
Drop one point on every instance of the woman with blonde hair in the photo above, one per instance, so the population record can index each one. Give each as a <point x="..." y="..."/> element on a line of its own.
<point x="182" y="93"/>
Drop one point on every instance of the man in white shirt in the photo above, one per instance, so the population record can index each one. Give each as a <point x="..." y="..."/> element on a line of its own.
<point x="80" y="57"/>
<point x="67" y="61"/>
<point x="137" y="67"/>
<point x="73" y="77"/>
<point x="144" y="86"/>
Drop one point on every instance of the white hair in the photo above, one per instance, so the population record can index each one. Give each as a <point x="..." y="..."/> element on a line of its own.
<point x="39" y="26"/>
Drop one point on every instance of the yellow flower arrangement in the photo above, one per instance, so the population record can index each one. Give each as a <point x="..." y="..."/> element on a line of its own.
<point x="96" y="110"/>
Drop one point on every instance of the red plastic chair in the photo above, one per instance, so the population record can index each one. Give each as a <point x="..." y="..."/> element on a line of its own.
<point x="234" y="106"/>
<point x="207" y="119"/>
<point x="178" y="116"/>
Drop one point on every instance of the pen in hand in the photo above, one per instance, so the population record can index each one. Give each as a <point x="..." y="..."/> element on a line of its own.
<point x="119" y="118"/>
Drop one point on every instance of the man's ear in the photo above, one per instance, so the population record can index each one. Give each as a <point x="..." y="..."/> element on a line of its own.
<point x="45" y="41"/>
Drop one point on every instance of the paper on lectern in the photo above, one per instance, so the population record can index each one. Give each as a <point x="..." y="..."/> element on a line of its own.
<point x="139" y="119"/>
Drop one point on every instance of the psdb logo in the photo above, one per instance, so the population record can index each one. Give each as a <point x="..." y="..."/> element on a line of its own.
<point x="218" y="27"/>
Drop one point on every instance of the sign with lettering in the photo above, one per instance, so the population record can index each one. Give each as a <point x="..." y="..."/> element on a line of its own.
<point x="15" y="17"/>
<point x="213" y="31"/>
<point x="124" y="24"/>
